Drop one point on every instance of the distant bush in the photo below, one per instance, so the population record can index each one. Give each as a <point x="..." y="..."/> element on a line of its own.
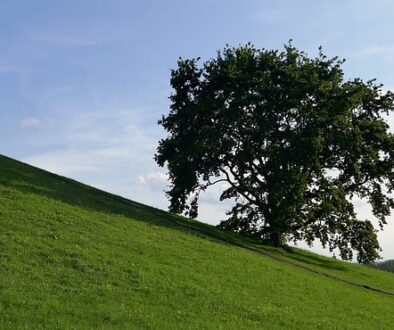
<point x="387" y="265"/>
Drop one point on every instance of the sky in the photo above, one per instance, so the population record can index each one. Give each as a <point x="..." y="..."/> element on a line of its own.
<point x="83" y="83"/>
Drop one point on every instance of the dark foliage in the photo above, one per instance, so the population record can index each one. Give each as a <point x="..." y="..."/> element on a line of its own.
<point x="387" y="265"/>
<point x="295" y="143"/>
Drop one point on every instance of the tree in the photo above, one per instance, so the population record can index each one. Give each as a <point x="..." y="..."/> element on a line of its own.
<point x="295" y="143"/>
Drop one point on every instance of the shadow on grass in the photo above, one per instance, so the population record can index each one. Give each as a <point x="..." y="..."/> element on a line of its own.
<point x="314" y="259"/>
<point x="30" y="180"/>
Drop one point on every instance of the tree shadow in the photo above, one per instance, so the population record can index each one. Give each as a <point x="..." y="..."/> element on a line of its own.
<point x="315" y="260"/>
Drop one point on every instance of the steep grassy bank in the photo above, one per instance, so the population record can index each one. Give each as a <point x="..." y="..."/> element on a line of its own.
<point x="74" y="256"/>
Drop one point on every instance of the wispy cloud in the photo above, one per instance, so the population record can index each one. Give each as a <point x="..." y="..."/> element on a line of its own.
<point x="78" y="38"/>
<point x="109" y="149"/>
<point x="384" y="52"/>
<point x="65" y="162"/>
<point x="268" y="16"/>
<point x="97" y="138"/>
<point x="29" y="122"/>
<point x="8" y="67"/>
<point x="155" y="178"/>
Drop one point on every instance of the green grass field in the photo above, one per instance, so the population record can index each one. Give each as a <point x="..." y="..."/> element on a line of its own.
<point x="72" y="256"/>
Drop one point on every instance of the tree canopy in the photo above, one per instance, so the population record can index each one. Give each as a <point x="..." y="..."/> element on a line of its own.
<point x="296" y="144"/>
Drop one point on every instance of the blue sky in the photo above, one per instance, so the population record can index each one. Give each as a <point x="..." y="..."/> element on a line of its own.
<point x="83" y="83"/>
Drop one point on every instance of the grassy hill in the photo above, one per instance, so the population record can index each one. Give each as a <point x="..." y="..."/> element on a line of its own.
<point x="72" y="256"/>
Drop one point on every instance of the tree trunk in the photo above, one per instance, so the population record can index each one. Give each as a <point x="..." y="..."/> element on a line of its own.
<point x="277" y="238"/>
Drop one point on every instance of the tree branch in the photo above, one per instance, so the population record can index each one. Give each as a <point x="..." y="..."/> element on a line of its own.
<point x="250" y="200"/>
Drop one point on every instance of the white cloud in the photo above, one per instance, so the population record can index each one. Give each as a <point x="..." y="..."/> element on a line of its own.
<point x="385" y="52"/>
<point x="29" y="122"/>
<point x="113" y="152"/>
<point x="155" y="181"/>
<point x="157" y="178"/>
<point x="64" y="162"/>
<point x="268" y="16"/>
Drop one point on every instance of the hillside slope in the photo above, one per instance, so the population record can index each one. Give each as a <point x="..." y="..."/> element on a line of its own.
<point x="74" y="256"/>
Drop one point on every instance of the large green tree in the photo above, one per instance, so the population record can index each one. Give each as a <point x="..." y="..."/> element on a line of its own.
<point x="295" y="142"/>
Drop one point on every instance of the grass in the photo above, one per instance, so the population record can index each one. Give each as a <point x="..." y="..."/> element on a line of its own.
<point x="72" y="256"/>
